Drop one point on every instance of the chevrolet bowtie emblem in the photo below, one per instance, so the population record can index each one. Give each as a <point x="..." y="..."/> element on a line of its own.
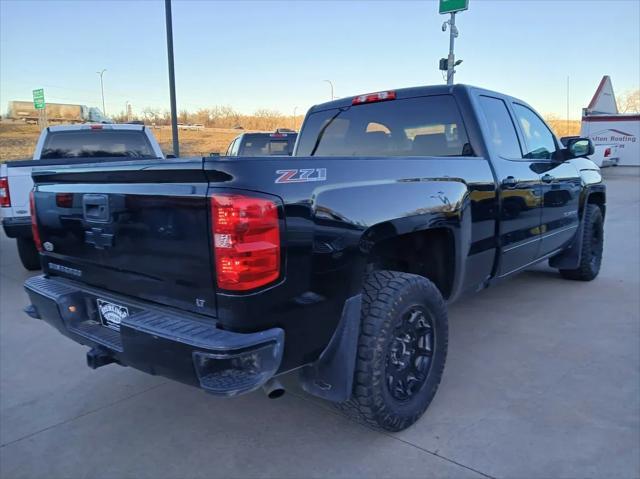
<point x="98" y="238"/>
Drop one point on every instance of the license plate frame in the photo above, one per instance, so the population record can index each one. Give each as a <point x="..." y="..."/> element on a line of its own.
<point x="111" y="314"/>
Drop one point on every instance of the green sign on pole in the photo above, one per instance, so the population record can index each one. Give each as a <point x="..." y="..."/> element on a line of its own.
<point x="451" y="6"/>
<point x="38" y="99"/>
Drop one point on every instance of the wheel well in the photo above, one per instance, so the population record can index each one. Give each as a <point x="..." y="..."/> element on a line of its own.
<point x="428" y="253"/>
<point x="598" y="198"/>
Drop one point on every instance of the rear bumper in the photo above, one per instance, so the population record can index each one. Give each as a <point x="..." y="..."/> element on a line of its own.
<point x="18" y="227"/>
<point x="158" y="340"/>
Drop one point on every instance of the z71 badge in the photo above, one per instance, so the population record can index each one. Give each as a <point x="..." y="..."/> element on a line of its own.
<point x="301" y="176"/>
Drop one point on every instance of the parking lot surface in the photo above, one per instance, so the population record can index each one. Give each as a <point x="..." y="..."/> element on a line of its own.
<point x="542" y="380"/>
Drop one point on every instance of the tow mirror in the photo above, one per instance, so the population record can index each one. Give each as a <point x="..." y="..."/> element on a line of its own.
<point x="577" y="147"/>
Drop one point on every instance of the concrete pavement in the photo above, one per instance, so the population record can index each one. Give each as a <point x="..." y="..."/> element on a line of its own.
<point x="542" y="380"/>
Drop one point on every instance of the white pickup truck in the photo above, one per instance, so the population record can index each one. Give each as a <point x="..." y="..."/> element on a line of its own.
<point x="64" y="144"/>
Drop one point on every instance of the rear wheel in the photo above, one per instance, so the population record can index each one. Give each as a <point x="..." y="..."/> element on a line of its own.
<point x="28" y="254"/>
<point x="592" y="245"/>
<point x="402" y="350"/>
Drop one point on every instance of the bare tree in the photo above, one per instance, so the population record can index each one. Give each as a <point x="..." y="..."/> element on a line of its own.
<point x="629" y="102"/>
<point x="183" y="116"/>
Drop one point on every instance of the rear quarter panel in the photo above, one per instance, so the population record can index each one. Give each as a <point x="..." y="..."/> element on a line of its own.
<point x="332" y="224"/>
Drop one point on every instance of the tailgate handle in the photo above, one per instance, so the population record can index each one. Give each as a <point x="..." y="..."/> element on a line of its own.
<point x="96" y="208"/>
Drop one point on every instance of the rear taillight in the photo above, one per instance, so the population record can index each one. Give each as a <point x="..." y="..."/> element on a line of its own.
<point x="246" y="237"/>
<point x="64" y="200"/>
<point x="5" y="198"/>
<point x="374" y="97"/>
<point x="607" y="152"/>
<point x="34" y="222"/>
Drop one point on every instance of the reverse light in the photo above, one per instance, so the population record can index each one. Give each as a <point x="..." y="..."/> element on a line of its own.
<point x="5" y="197"/>
<point x="374" y="97"/>
<point x="246" y="237"/>
<point x="34" y="222"/>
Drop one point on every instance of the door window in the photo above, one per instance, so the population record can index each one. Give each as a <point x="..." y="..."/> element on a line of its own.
<point x="540" y="141"/>
<point x="502" y="131"/>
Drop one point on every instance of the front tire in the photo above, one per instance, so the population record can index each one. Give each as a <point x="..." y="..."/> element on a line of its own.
<point x="592" y="246"/>
<point x="402" y="349"/>
<point x="28" y="254"/>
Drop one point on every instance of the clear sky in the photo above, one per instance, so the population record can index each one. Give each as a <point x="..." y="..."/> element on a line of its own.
<point x="275" y="54"/>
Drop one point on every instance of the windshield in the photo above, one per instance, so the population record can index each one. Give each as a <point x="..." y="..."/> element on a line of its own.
<point x="423" y="126"/>
<point x="97" y="144"/>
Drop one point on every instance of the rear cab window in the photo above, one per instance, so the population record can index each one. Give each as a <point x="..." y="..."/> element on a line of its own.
<point x="419" y="126"/>
<point x="102" y="143"/>
<point x="267" y="144"/>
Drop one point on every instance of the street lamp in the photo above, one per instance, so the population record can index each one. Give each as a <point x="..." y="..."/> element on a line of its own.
<point x="331" y="85"/>
<point x="172" y="78"/>
<point x="104" y="111"/>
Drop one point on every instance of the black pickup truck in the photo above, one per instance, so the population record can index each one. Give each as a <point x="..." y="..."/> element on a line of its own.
<point x="337" y="262"/>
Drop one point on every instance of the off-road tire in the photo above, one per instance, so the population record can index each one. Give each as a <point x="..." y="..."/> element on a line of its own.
<point x="28" y="254"/>
<point x="387" y="296"/>
<point x="592" y="245"/>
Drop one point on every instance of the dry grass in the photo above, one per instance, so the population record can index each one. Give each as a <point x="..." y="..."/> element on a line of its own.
<point x="197" y="142"/>
<point x="17" y="140"/>
<point x="564" y="127"/>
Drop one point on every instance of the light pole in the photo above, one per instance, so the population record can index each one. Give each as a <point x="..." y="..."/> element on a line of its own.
<point x="295" y="108"/>
<point x="104" y="111"/>
<point x="172" y="78"/>
<point x="331" y="85"/>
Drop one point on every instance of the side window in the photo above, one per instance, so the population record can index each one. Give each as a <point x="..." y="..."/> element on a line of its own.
<point x="540" y="141"/>
<point x="502" y="131"/>
<point x="229" y="148"/>
<point x="236" y="146"/>
<point x="373" y="126"/>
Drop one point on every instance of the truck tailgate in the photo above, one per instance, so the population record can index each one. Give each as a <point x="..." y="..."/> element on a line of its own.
<point x="137" y="228"/>
<point x="20" y="185"/>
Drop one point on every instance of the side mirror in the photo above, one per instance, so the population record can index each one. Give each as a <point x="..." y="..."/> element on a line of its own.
<point x="565" y="139"/>
<point x="577" y="147"/>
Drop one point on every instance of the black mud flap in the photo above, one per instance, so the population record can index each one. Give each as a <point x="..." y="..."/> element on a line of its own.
<point x="331" y="376"/>
<point x="569" y="258"/>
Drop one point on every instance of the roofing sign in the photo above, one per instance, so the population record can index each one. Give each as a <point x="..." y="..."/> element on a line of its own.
<point x="611" y="135"/>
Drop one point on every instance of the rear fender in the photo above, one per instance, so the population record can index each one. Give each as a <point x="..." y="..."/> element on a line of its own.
<point x="373" y="213"/>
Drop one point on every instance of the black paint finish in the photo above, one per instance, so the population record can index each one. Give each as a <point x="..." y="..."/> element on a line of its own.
<point x="500" y="214"/>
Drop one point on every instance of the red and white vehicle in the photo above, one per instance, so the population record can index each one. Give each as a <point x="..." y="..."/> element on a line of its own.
<point x="616" y="136"/>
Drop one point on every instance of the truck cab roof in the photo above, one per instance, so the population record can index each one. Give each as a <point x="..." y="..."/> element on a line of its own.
<point x="96" y="126"/>
<point x="411" y="92"/>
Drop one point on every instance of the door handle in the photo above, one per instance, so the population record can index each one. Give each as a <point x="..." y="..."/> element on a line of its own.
<point x="509" y="182"/>
<point x="547" y="178"/>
